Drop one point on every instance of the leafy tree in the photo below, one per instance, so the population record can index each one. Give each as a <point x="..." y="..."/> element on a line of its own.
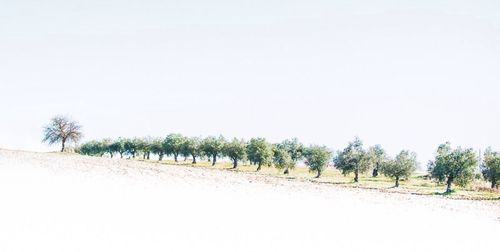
<point x="213" y="147"/>
<point x="353" y="159"/>
<point x="107" y="144"/>
<point x="92" y="148"/>
<point x="157" y="148"/>
<point x="491" y="167"/>
<point x="131" y="147"/>
<point x="317" y="158"/>
<point x="172" y="145"/>
<point x="192" y="146"/>
<point x="455" y="166"/>
<point x="259" y="152"/>
<point x="293" y="147"/>
<point x="62" y="130"/>
<point x="282" y="160"/>
<point x="401" y="167"/>
<point x="378" y="157"/>
<point x="235" y="150"/>
<point x="118" y="147"/>
<point x="144" y="146"/>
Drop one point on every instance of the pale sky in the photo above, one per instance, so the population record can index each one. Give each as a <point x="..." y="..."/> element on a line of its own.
<point x="403" y="74"/>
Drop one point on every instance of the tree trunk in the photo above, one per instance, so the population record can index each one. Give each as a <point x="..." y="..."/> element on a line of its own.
<point x="175" y="157"/>
<point x="160" y="157"/>
<point x="121" y="154"/>
<point x="493" y="183"/>
<point x="356" y="176"/>
<point x="148" y="155"/>
<point x="286" y="171"/>
<point x="214" y="159"/>
<point x="397" y="181"/>
<point x="319" y="173"/>
<point x="235" y="163"/>
<point x="260" y="166"/>
<point x="448" y="185"/>
<point x="111" y="154"/>
<point x="375" y="172"/>
<point x="194" y="159"/>
<point x="63" y="145"/>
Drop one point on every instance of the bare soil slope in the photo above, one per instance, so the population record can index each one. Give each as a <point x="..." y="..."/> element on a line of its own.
<point x="64" y="202"/>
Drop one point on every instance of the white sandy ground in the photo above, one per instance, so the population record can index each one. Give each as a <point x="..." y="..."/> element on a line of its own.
<point x="54" y="202"/>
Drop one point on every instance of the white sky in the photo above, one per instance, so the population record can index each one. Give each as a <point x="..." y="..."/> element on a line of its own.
<point x="404" y="74"/>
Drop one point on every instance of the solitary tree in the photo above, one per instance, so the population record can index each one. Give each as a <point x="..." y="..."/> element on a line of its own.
<point x="491" y="167"/>
<point x="235" y="150"/>
<point x="401" y="167"/>
<point x="259" y="152"/>
<point x="192" y="146"/>
<point x="378" y="157"/>
<point x="317" y="158"/>
<point x="62" y="130"/>
<point x="282" y="160"/>
<point x="172" y="145"/>
<point x="213" y="147"/>
<point x="353" y="159"/>
<point x="453" y="166"/>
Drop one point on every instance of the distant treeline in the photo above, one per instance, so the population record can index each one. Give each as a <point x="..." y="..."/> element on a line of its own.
<point x="452" y="166"/>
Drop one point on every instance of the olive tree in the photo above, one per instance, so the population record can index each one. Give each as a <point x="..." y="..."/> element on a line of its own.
<point x="378" y="157"/>
<point x="92" y="148"/>
<point x="213" y="147"/>
<point x="402" y="167"/>
<point x="236" y="151"/>
<point x="62" y="130"/>
<point x="107" y="144"/>
<point x="259" y="152"/>
<point x="293" y="147"/>
<point x="455" y="166"/>
<point x="130" y="147"/>
<point x="490" y="168"/>
<point x="192" y="146"/>
<point x="282" y="160"/>
<point x="317" y="158"/>
<point x="157" y="148"/>
<point x="118" y="147"/>
<point x="172" y="145"/>
<point x="353" y="159"/>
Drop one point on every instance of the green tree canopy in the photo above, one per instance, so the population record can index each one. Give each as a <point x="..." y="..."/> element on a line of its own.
<point x="282" y="160"/>
<point x="92" y="148"/>
<point x="117" y="146"/>
<point x="402" y="167"/>
<point x="259" y="152"/>
<point x="157" y="148"/>
<point x="317" y="158"/>
<point x="456" y="166"/>
<point x="353" y="159"/>
<point x="192" y="146"/>
<point x="236" y="151"/>
<point x="293" y="147"/>
<point x="130" y="146"/>
<point x="378" y="157"/>
<point x="213" y="147"/>
<point x="490" y="168"/>
<point x="172" y="145"/>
